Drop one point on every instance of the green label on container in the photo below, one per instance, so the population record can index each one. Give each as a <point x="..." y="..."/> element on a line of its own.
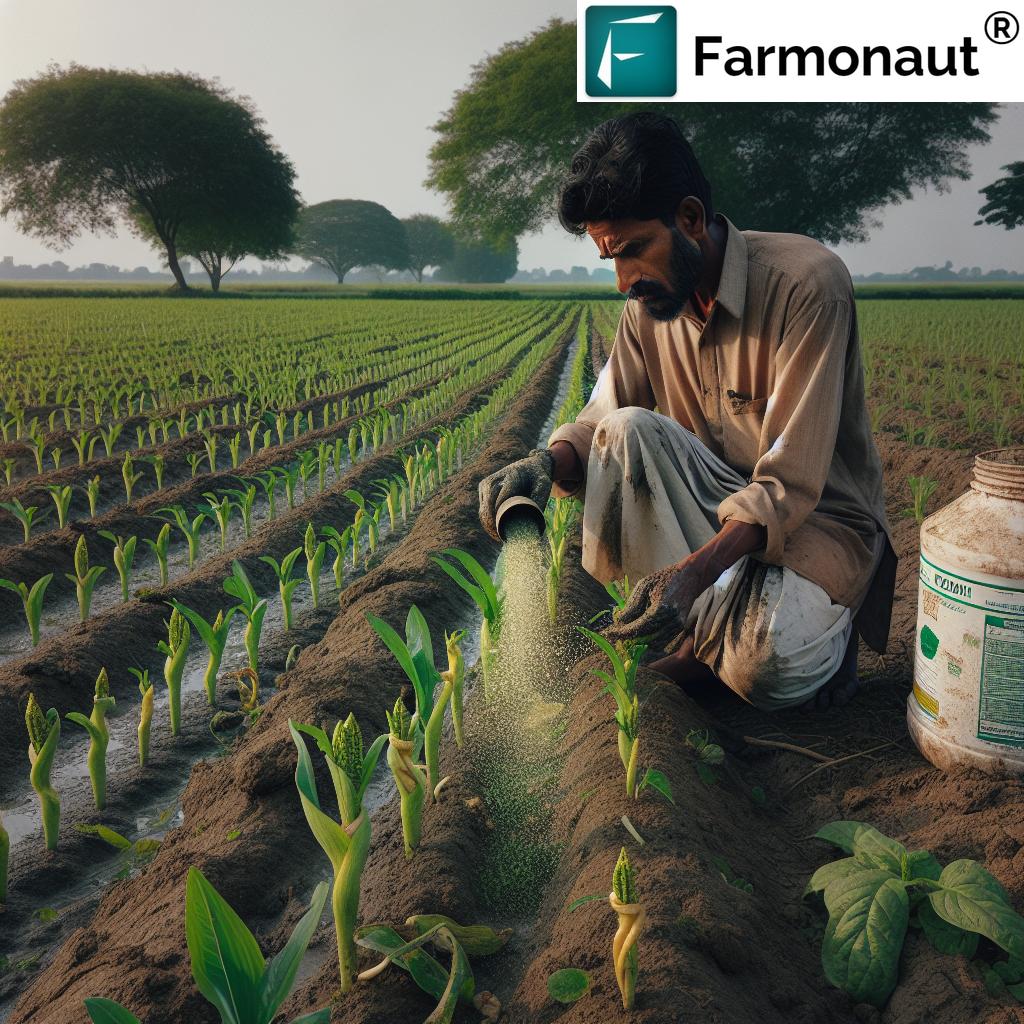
<point x="1001" y="698"/>
<point x="929" y="643"/>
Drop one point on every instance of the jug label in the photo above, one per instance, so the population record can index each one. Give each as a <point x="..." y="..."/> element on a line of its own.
<point x="1001" y="701"/>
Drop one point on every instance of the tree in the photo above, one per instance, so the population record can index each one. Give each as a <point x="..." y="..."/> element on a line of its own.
<point x="250" y="211"/>
<point x="346" y="233"/>
<point x="817" y="168"/>
<point x="476" y="261"/>
<point x="430" y="242"/>
<point x="1005" y="199"/>
<point x="83" y="147"/>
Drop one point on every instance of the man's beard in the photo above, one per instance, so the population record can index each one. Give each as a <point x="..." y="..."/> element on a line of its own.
<point x="686" y="261"/>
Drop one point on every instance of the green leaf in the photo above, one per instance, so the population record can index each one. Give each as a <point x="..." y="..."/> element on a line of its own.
<point x="659" y="781"/>
<point x="828" y="873"/>
<point x="281" y="971"/>
<point x="234" y="833"/>
<point x="568" y="985"/>
<point x="79" y="719"/>
<point x="945" y="937"/>
<point x="973" y="900"/>
<point x="227" y="964"/>
<point x="106" y="1011"/>
<point x="921" y="864"/>
<point x="482" y="577"/>
<point x="333" y="839"/>
<point x="459" y="977"/>
<point x="428" y="974"/>
<point x="396" y="645"/>
<point x="875" y="850"/>
<point x="316" y="1017"/>
<point x="869" y="912"/>
<point x="840" y="833"/>
<point x="370" y="759"/>
<point x="108" y="835"/>
<point x="577" y="903"/>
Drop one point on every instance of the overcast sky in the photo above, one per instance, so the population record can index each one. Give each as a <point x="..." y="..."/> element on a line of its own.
<point x="349" y="91"/>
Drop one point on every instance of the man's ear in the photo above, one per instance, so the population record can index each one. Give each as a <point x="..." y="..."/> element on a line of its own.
<point x="691" y="218"/>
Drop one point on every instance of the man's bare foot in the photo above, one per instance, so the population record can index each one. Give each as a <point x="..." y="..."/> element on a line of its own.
<point x="842" y="687"/>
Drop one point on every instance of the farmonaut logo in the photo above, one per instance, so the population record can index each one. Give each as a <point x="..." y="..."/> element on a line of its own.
<point x="630" y="51"/>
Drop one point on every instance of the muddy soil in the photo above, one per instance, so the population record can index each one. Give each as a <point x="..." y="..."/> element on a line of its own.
<point x="132" y="950"/>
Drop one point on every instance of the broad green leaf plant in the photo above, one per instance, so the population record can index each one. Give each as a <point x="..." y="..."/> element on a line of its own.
<point x="881" y="889"/>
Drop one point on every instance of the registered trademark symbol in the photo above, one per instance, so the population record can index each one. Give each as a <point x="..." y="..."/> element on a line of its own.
<point x="1002" y="27"/>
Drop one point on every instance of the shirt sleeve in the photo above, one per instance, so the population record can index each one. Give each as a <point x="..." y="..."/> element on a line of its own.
<point x="798" y="436"/>
<point x="622" y="382"/>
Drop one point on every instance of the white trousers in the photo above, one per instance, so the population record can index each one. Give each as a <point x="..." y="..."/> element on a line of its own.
<point x="652" y="494"/>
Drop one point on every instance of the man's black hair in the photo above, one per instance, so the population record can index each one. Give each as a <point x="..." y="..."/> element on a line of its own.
<point x="636" y="166"/>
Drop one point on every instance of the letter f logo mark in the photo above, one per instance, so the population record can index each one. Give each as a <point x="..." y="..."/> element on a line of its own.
<point x="630" y="51"/>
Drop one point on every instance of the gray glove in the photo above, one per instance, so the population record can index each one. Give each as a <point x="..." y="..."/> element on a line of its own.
<point x="528" y="478"/>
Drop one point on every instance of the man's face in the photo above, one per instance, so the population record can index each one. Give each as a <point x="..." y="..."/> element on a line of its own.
<point x="655" y="264"/>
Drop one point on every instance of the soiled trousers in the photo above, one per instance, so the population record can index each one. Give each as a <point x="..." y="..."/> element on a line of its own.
<point x="652" y="494"/>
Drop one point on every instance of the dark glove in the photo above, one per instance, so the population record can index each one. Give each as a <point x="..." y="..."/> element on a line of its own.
<point x="527" y="478"/>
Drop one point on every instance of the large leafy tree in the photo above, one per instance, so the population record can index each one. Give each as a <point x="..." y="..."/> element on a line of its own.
<point x="1005" y="198"/>
<point x="815" y="168"/>
<point x="430" y="242"/>
<point x="345" y="233"/>
<point x="82" y="148"/>
<point x="479" y="261"/>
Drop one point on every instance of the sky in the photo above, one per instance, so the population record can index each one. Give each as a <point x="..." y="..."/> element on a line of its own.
<point x="349" y="91"/>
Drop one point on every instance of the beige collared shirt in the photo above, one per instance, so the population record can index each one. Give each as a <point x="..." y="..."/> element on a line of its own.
<point x="773" y="384"/>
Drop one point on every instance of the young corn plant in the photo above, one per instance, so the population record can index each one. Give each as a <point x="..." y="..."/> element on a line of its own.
<point x="62" y="501"/>
<point x="220" y="509"/>
<point x="156" y="460"/>
<point x="31" y="601"/>
<point x="129" y="476"/>
<point x="451" y="694"/>
<point x="561" y="514"/>
<point x="631" y="917"/>
<point x="26" y="516"/>
<point x="190" y="528"/>
<point x="145" y="712"/>
<point x="124" y="556"/>
<point x="477" y="583"/>
<point x="227" y="965"/>
<point x="215" y="636"/>
<point x="96" y="726"/>
<point x="409" y="778"/>
<point x="286" y="585"/>
<point x="245" y="502"/>
<point x="84" y="577"/>
<point x="44" y="735"/>
<point x="346" y="843"/>
<point x="161" y="548"/>
<point x="92" y="494"/>
<point x="253" y="607"/>
<point x="315" y="552"/>
<point x="339" y="544"/>
<point x="8" y="464"/>
<point x="268" y="481"/>
<point x="921" y="489"/>
<point x="175" y="651"/>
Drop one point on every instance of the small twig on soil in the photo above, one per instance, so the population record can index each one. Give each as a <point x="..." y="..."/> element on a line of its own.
<point x="756" y="741"/>
<point x="835" y="761"/>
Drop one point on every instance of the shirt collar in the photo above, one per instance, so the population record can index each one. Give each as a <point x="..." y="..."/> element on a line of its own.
<point x="732" y="285"/>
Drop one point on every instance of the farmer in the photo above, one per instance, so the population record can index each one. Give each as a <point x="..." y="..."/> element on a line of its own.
<point x="725" y="456"/>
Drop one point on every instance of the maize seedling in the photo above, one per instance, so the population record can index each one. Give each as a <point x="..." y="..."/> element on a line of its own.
<point x="129" y="476"/>
<point x="5" y="856"/>
<point x="408" y="777"/>
<point x="561" y="515"/>
<point x="62" y="501"/>
<point x="156" y="460"/>
<point x="44" y="735"/>
<point x="416" y="656"/>
<point x="248" y="685"/>
<point x="25" y="516"/>
<point x="31" y="601"/>
<point x="632" y="918"/>
<point x="84" y="578"/>
<point x="348" y="843"/>
<point x="315" y="552"/>
<point x="145" y="711"/>
<point x="227" y="965"/>
<point x="338" y="543"/>
<point x="268" y="481"/>
<point x="254" y="609"/>
<point x="245" y="502"/>
<point x="99" y="736"/>
<point x="124" y="555"/>
<point x="221" y="511"/>
<point x="92" y="494"/>
<point x="478" y="584"/>
<point x="176" y="651"/>
<point x="921" y="489"/>
<point x="190" y="528"/>
<point x="160" y="548"/>
<point x="285" y="584"/>
<point x="451" y="688"/>
<point x="215" y="636"/>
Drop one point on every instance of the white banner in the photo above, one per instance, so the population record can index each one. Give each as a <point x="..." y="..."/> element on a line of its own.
<point x="800" y="51"/>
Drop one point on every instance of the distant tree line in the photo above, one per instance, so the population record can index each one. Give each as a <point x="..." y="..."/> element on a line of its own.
<point x="943" y="273"/>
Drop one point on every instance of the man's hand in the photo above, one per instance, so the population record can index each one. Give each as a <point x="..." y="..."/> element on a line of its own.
<point x="659" y="603"/>
<point x="529" y="478"/>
